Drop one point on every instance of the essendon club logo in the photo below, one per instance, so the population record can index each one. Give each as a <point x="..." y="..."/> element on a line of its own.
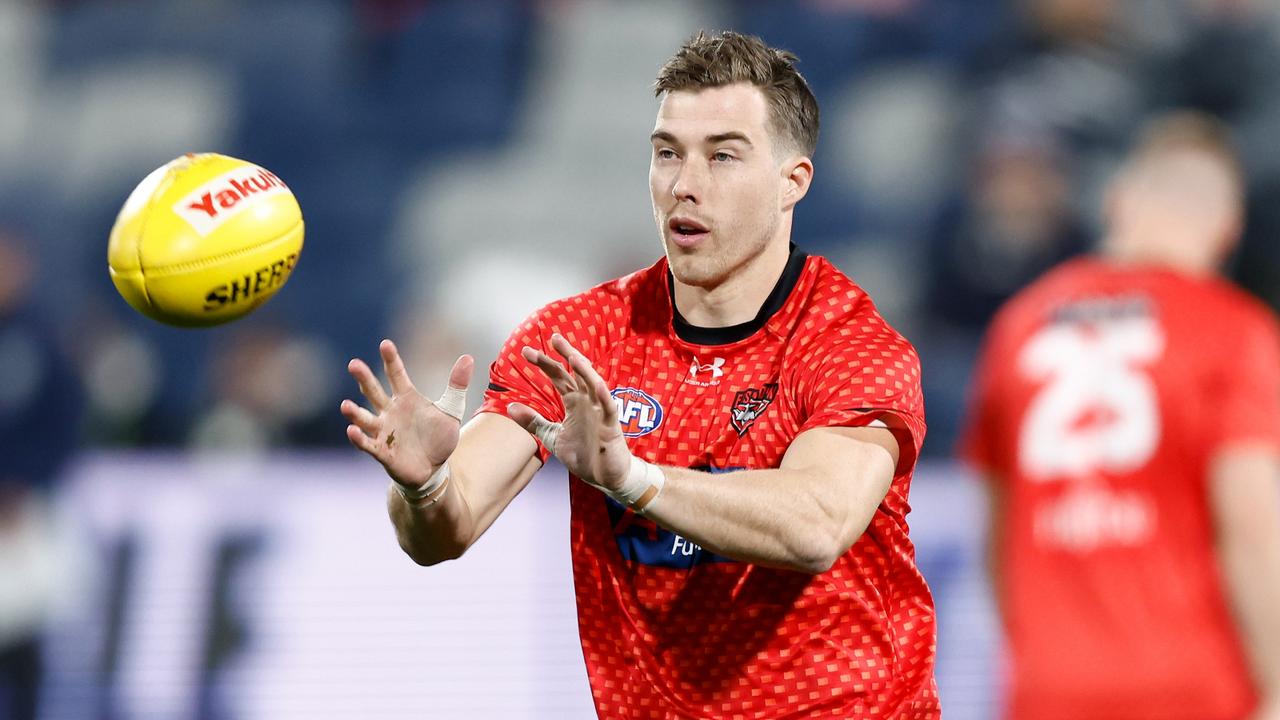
<point x="216" y="201"/>
<point x="750" y="404"/>
<point x="639" y="413"/>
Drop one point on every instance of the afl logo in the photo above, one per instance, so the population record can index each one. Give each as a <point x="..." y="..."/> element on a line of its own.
<point x="638" y="412"/>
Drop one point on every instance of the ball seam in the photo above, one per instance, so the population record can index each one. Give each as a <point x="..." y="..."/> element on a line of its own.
<point x="162" y="270"/>
<point x="142" y="232"/>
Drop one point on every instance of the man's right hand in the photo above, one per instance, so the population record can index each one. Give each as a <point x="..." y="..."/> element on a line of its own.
<point x="404" y="431"/>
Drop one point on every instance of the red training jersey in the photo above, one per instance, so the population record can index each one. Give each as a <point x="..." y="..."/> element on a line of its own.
<point x="1102" y="395"/>
<point x="670" y="630"/>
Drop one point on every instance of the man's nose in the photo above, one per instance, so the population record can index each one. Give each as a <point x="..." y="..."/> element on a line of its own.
<point x="690" y="182"/>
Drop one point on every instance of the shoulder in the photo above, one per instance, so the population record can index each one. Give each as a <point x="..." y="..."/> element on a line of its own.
<point x="846" y="361"/>
<point x="605" y="310"/>
<point x="1237" y="309"/>
<point x="841" y="318"/>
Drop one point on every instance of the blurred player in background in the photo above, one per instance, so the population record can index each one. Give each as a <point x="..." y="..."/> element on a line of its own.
<point x="743" y="422"/>
<point x="1127" y="416"/>
<point x="40" y="406"/>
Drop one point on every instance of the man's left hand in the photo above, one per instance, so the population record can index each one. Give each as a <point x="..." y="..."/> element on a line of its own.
<point x="589" y="442"/>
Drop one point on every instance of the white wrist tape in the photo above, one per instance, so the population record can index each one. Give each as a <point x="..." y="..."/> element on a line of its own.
<point x="643" y="485"/>
<point x="453" y="402"/>
<point x="414" y="496"/>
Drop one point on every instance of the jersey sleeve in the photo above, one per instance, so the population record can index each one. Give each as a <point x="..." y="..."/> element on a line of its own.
<point x="514" y="379"/>
<point x="1247" y="396"/>
<point x="859" y="380"/>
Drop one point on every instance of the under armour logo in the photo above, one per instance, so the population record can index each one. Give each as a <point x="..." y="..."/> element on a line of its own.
<point x="714" y="367"/>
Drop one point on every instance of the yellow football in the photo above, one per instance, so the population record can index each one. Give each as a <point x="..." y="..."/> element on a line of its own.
<point x="204" y="239"/>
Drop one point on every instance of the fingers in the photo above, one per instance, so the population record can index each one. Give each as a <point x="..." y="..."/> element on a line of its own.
<point x="546" y="431"/>
<point x="397" y="376"/>
<point x="559" y="376"/>
<point x="605" y="398"/>
<point x="591" y="382"/>
<point x="362" y="441"/>
<point x="361" y="418"/>
<point x="368" y="384"/>
<point x="583" y="376"/>
<point x="577" y="360"/>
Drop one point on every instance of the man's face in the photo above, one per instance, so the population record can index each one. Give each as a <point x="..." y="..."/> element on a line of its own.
<point x="716" y="186"/>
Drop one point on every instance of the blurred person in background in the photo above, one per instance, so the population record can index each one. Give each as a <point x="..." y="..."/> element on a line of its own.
<point x="1014" y="224"/>
<point x="1126" y="418"/>
<point x="755" y="562"/>
<point x="40" y="402"/>
<point x="266" y="390"/>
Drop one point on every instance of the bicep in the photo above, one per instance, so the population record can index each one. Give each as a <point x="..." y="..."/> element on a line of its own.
<point x="495" y="460"/>
<point x="849" y="472"/>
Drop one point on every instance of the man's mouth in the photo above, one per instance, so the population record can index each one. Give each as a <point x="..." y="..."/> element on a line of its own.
<point x="687" y="232"/>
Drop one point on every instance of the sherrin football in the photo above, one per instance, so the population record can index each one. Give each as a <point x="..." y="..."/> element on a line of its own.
<point x="204" y="239"/>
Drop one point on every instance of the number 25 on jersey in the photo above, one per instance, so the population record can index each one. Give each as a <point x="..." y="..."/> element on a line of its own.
<point x="1097" y="408"/>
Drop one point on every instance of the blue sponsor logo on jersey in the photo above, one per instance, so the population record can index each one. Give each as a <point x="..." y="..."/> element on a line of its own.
<point x="642" y="540"/>
<point x="638" y="412"/>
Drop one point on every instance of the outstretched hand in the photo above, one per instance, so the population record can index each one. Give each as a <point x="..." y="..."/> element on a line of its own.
<point x="589" y="442"/>
<point x="410" y="435"/>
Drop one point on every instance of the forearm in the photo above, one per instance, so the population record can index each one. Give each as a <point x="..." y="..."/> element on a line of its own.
<point x="1252" y="575"/>
<point x="797" y="519"/>
<point x="759" y="516"/>
<point x="432" y="533"/>
<point x="1246" y="501"/>
<point x="493" y="462"/>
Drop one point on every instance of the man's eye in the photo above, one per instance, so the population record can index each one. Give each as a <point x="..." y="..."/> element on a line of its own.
<point x="666" y="153"/>
<point x="722" y="157"/>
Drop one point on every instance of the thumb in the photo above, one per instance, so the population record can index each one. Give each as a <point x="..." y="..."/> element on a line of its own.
<point x="538" y="426"/>
<point x="454" y="400"/>
<point x="525" y="416"/>
<point x="460" y="376"/>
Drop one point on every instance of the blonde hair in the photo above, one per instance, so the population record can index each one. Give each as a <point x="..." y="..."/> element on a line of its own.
<point x="1190" y="131"/>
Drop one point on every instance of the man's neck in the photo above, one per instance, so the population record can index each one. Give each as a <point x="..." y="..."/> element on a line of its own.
<point x="739" y="298"/>
<point x="1183" y="256"/>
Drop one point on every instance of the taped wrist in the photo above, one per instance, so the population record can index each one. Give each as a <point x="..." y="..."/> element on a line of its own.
<point x="430" y="492"/>
<point x="643" y="485"/>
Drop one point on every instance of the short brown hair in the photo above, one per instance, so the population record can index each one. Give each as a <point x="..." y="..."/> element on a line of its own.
<point x="717" y="60"/>
<point x="1190" y="131"/>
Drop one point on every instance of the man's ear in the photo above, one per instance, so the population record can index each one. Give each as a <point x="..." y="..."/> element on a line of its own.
<point x="797" y="175"/>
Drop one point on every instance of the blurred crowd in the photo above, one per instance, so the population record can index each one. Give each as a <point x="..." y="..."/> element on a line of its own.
<point x="460" y="162"/>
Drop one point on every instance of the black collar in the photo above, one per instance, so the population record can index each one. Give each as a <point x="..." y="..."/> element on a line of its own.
<point x="733" y="333"/>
